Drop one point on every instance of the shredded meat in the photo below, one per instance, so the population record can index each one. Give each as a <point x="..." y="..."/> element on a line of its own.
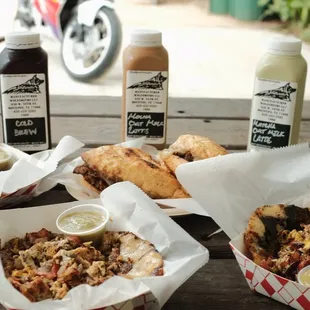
<point x="92" y="177"/>
<point x="59" y="290"/>
<point x="111" y="240"/>
<point x="293" y="255"/>
<point x="35" y="290"/>
<point x="96" y="273"/>
<point x="187" y="156"/>
<point x="45" y="265"/>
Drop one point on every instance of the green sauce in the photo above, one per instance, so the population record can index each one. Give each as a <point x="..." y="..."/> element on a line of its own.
<point x="81" y="221"/>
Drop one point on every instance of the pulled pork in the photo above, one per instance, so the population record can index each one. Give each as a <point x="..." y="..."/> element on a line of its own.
<point x="44" y="265"/>
<point x="187" y="156"/>
<point x="92" y="177"/>
<point x="293" y="254"/>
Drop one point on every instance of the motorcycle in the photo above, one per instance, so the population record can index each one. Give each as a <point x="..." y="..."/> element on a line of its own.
<point x="89" y="31"/>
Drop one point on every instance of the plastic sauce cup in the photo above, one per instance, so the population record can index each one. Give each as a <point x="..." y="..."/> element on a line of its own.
<point x="301" y="273"/>
<point x="94" y="234"/>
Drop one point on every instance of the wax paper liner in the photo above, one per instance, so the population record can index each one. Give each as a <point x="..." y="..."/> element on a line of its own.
<point x="64" y="175"/>
<point x="231" y="187"/>
<point x="23" y="180"/>
<point x="131" y="210"/>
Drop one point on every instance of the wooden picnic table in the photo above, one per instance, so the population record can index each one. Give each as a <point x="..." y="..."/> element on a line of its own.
<point x="96" y="121"/>
<point x="219" y="285"/>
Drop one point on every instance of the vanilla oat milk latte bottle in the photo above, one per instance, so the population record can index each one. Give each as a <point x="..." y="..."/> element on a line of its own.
<point x="278" y="95"/>
<point x="145" y="88"/>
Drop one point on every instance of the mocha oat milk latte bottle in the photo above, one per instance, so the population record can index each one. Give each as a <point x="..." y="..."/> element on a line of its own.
<point x="145" y="88"/>
<point x="278" y="95"/>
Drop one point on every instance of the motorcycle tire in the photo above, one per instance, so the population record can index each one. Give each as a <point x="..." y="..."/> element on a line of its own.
<point x="111" y="55"/>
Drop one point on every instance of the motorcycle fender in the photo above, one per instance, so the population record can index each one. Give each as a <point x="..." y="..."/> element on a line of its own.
<point x="87" y="11"/>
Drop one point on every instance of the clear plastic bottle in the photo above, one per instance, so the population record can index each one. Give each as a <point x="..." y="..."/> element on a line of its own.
<point x="25" y="93"/>
<point x="278" y="95"/>
<point x="145" y="88"/>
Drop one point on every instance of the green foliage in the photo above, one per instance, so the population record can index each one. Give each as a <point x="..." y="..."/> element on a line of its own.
<point x="289" y="11"/>
<point x="305" y="35"/>
<point x="292" y="12"/>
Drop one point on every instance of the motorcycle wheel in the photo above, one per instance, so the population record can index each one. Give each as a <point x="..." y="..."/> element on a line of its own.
<point x="93" y="56"/>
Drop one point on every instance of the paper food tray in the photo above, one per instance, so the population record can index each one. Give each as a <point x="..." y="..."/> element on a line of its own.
<point x="144" y="302"/>
<point x="73" y="183"/>
<point x="262" y="281"/>
<point x="23" y="194"/>
<point x="22" y="181"/>
<point x="230" y="188"/>
<point x="172" y="207"/>
<point x="131" y="211"/>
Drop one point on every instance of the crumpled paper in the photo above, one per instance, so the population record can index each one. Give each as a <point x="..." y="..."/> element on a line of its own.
<point x="131" y="211"/>
<point x="231" y="187"/>
<point x="27" y="169"/>
<point x="64" y="175"/>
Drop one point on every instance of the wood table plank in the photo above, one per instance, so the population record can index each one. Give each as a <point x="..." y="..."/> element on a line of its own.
<point x="232" y="134"/>
<point x="96" y="131"/>
<point x="100" y="131"/>
<point x="220" y="108"/>
<point x="219" y="285"/>
<point x="96" y="120"/>
<point x="177" y="108"/>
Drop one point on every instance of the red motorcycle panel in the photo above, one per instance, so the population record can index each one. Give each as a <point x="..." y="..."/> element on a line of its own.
<point x="50" y="11"/>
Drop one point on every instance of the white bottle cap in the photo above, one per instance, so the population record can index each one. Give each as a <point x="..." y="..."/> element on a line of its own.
<point x="146" y="38"/>
<point x="281" y="45"/>
<point x="22" y="40"/>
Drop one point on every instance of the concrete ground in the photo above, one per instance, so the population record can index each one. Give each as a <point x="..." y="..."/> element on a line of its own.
<point x="210" y="56"/>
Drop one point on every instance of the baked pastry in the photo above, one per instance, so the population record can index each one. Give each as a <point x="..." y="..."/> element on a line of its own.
<point x="260" y="236"/>
<point x="116" y="164"/>
<point x="193" y="148"/>
<point x="173" y="161"/>
<point x="188" y="148"/>
<point x="278" y="238"/>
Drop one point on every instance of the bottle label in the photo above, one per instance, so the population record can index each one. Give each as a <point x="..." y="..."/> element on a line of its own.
<point x="24" y="111"/>
<point x="272" y="115"/>
<point x="146" y="105"/>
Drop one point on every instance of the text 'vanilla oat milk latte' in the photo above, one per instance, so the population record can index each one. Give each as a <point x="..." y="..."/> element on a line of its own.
<point x="278" y="95"/>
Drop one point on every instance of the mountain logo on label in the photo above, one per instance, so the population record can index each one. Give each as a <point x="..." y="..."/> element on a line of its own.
<point x="31" y="86"/>
<point x="155" y="82"/>
<point x="282" y="93"/>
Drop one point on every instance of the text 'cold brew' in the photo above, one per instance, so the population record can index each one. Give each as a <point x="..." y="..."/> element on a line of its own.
<point x="278" y="95"/>
<point x="25" y="93"/>
<point x="145" y="88"/>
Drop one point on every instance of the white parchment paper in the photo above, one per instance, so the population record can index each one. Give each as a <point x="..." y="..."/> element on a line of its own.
<point x="64" y="175"/>
<point x="27" y="170"/>
<point x="231" y="187"/>
<point x="130" y="210"/>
